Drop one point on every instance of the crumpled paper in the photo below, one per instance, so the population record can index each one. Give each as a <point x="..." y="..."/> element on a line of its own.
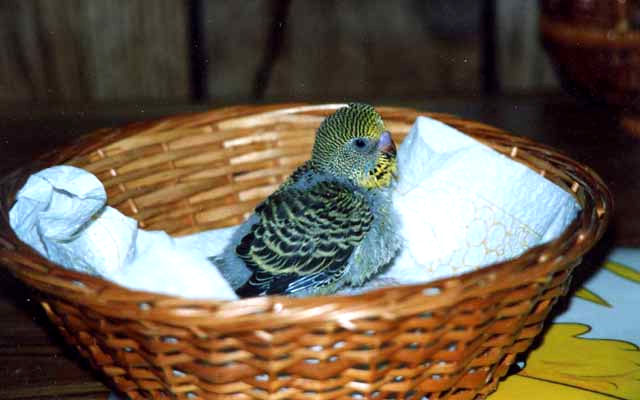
<point x="462" y="206"/>
<point x="61" y="213"/>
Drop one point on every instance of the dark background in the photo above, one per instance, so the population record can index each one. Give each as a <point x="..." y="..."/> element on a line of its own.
<point x="219" y="52"/>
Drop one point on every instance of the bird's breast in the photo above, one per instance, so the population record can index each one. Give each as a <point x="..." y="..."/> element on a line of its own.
<point x="382" y="173"/>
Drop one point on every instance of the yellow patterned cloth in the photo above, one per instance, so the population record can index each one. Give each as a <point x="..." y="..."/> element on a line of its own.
<point x="590" y="351"/>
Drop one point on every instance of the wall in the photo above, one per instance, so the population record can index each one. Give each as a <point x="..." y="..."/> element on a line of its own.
<point x="67" y="51"/>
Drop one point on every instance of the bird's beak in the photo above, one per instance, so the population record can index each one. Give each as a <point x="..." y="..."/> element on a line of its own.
<point x="385" y="144"/>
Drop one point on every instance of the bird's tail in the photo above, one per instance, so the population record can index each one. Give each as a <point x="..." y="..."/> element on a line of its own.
<point x="248" y="290"/>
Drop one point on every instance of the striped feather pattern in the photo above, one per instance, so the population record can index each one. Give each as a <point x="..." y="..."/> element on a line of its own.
<point x="304" y="238"/>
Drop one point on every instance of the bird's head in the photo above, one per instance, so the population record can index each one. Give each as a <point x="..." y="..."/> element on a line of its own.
<point x="352" y="143"/>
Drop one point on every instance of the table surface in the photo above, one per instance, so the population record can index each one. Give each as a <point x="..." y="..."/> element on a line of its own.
<point x="34" y="363"/>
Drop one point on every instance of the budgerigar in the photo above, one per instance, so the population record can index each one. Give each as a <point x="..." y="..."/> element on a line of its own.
<point x="330" y="224"/>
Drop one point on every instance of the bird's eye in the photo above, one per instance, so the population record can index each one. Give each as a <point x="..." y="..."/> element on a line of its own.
<point x="360" y="143"/>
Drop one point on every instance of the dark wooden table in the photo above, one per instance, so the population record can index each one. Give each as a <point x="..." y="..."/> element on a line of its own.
<point x="34" y="363"/>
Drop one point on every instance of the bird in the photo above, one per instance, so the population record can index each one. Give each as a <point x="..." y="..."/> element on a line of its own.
<point x="330" y="224"/>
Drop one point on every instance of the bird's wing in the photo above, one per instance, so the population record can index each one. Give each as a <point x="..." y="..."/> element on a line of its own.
<point x="304" y="238"/>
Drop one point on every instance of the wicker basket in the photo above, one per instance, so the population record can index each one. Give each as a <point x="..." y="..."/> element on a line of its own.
<point x="449" y="339"/>
<point x="595" y="47"/>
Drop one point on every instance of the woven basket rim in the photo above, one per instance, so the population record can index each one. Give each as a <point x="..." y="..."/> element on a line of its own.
<point x="16" y="254"/>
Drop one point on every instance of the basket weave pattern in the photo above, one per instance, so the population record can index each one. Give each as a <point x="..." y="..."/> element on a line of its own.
<point x="452" y="338"/>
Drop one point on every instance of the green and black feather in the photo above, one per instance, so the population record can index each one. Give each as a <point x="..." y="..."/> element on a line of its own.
<point x="304" y="238"/>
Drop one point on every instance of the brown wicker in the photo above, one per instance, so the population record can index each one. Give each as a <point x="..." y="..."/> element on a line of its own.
<point x="449" y="339"/>
<point x="595" y="46"/>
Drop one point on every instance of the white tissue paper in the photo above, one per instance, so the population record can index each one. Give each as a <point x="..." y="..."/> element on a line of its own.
<point x="61" y="213"/>
<point x="462" y="205"/>
<point x="163" y="265"/>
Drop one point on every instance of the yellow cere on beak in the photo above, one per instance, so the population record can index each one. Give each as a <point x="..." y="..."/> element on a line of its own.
<point x="385" y="168"/>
